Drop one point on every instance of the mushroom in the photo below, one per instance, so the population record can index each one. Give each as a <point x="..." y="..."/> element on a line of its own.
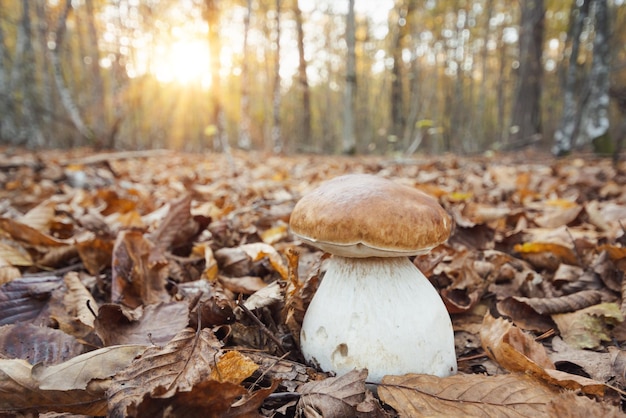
<point x="374" y="308"/>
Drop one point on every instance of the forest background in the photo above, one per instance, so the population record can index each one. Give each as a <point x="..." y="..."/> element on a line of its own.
<point x="291" y="76"/>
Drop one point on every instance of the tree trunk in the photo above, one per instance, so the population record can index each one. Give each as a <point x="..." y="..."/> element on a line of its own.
<point x="64" y="93"/>
<point x="526" y="118"/>
<point x="215" y="129"/>
<point x="8" y="130"/>
<point x="595" y="113"/>
<point x="482" y="115"/>
<point x="399" y="30"/>
<point x="303" y="81"/>
<point x="98" y="102"/>
<point x="277" y="145"/>
<point x="244" y="141"/>
<point x="349" y="140"/>
<point x="31" y="130"/>
<point x="565" y="133"/>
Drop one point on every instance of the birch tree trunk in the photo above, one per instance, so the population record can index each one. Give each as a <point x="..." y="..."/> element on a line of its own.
<point x="349" y="140"/>
<point x="564" y="135"/>
<point x="595" y="113"/>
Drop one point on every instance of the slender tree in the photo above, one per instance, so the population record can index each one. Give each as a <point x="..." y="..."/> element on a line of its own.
<point x="277" y="143"/>
<point x="349" y="139"/>
<point x="63" y="89"/>
<point x="8" y="128"/>
<point x="244" y="141"/>
<point x="100" y="114"/>
<point x="303" y="80"/>
<point x="595" y="112"/>
<point x="568" y="126"/>
<point x="216" y="127"/>
<point x="526" y="118"/>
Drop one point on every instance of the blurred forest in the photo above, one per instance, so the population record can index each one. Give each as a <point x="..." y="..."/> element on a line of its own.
<point x="289" y="76"/>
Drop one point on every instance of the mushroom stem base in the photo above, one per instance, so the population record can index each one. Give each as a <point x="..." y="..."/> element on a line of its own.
<point x="381" y="314"/>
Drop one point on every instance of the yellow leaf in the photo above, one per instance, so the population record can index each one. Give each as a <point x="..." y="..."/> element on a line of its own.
<point x="233" y="367"/>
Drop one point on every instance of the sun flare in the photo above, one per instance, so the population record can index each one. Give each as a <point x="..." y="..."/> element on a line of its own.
<point x="184" y="62"/>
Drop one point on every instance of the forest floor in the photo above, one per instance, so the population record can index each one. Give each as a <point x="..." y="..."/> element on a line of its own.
<point x="168" y="284"/>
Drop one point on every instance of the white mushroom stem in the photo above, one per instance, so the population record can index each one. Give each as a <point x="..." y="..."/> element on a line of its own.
<point x="381" y="314"/>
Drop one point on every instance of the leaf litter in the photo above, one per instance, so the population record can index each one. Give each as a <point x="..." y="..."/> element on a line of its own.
<point x="168" y="284"/>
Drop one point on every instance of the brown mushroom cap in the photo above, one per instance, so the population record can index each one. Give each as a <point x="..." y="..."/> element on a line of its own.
<point x="362" y="215"/>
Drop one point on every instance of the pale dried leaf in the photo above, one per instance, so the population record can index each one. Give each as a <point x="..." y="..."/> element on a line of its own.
<point x="333" y="397"/>
<point x="77" y="373"/>
<point x="78" y="301"/>
<point x="512" y="395"/>
<point x="567" y="303"/>
<point x="513" y="349"/>
<point x="24" y="299"/>
<point x="587" y="328"/>
<point x="14" y="254"/>
<point x="154" y="324"/>
<point x="39" y="217"/>
<point x="163" y="371"/>
<point x="37" y="344"/>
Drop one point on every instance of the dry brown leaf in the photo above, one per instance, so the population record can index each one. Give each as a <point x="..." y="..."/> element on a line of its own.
<point x="154" y="324"/>
<point x="563" y="253"/>
<point x="245" y="285"/>
<point x="233" y="367"/>
<point x="17" y="385"/>
<point x="25" y="299"/>
<point x="333" y="397"/>
<point x="511" y="395"/>
<point x="8" y="272"/>
<point x="519" y="352"/>
<point x="260" y="250"/>
<point x="557" y="212"/>
<point x="587" y="328"/>
<point x="76" y="314"/>
<point x="13" y="253"/>
<point x="561" y="304"/>
<point x="95" y="253"/>
<point x="513" y="349"/>
<point x="40" y="217"/>
<point x="160" y="372"/>
<point x="524" y="316"/>
<point x="598" y="365"/>
<point x="136" y="280"/>
<point x="27" y="235"/>
<point x="37" y="344"/>
<point x="207" y="399"/>
<point x="78" y="372"/>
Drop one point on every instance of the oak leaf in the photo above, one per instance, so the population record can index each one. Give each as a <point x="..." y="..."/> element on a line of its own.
<point x="510" y="395"/>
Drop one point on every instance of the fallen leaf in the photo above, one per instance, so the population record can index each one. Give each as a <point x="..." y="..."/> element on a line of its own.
<point x="79" y="371"/>
<point x="37" y="344"/>
<point x="161" y="372"/>
<point x="587" y="328"/>
<point x="513" y="349"/>
<point x="154" y="324"/>
<point x="333" y="397"/>
<point x="510" y="395"/>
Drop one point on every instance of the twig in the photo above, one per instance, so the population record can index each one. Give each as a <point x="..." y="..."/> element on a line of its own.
<point x="256" y="382"/>
<point x="266" y="331"/>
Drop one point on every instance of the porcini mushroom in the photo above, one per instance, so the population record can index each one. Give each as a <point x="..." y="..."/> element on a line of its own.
<point x="374" y="308"/>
